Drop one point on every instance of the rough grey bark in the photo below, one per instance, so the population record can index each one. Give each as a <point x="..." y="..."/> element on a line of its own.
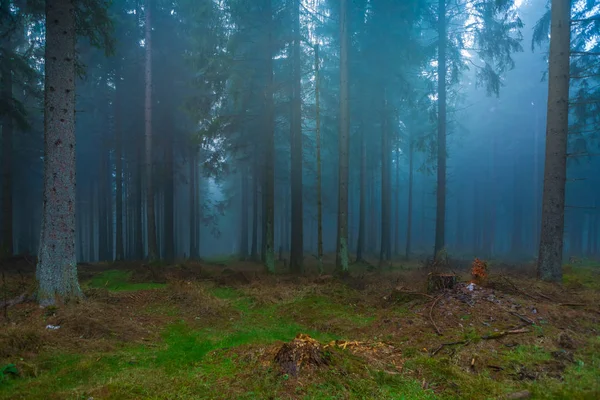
<point x="297" y="217"/>
<point x="549" y="266"/>
<point x="6" y="88"/>
<point x="150" y="212"/>
<point x="56" y="270"/>
<point x="344" y="145"/>
<point x="440" y="218"/>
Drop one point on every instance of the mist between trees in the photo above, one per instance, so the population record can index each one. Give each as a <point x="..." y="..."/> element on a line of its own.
<point x="284" y="129"/>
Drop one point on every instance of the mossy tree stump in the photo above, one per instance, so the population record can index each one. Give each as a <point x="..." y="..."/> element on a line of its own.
<point x="438" y="281"/>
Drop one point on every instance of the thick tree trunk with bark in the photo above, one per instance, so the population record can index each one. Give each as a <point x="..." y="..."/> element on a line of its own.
<point x="150" y="212"/>
<point x="344" y="145"/>
<point x="555" y="170"/>
<point x="56" y="271"/>
<point x="440" y="218"/>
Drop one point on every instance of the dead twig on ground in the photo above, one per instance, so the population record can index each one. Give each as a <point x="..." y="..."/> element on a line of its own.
<point x="437" y="330"/>
<point x="505" y="333"/>
<point x="545" y="297"/>
<point x="522" y="318"/>
<point x="517" y="288"/>
<point x="441" y="346"/>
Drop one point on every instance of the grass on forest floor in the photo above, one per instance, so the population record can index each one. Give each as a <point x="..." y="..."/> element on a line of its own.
<point x="202" y="339"/>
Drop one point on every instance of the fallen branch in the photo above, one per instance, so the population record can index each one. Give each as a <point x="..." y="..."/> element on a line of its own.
<point x="431" y="315"/>
<point x="546" y="297"/>
<point x="522" y="318"/>
<point x="517" y="288"/>
<point x="505" y="333"/>
<point x="441" y="346"/>
<point x="572" y="305"/>
<point x="13" y="302"/>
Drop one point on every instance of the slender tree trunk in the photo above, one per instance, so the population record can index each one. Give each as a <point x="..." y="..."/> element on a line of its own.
<point x="440" y="219"/>
<point x="56" y="271"/>
<point x="517" y="228"/>
<point x="254" y="247"/>
<point x="244" y="215"/>
<point x="119" y="251"/>
<point x="297" y="217"/>
<point x="360" y="245"/>
<point x="397" y="211"/>
<point x="169" y="193"/>
<point x="555" y="169"/>
<point x="344" y="145"/>
<point x="319" y="177"/>
<point x="139" y="206"/>
<point x="150" y="211"/>
<point x="384" y="254"/>
<point x="193" y="204"/>
<point x="411" y="155"/>
<point x="269" y="187"/>
<point x="7" y="245"/>
<point x="92" y="224"/>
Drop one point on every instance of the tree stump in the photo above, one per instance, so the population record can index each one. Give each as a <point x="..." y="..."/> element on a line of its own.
<point x="437" y="281"/>
<point x="303" y="351"/>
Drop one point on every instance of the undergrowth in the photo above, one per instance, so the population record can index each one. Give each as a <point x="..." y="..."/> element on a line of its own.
<point x="217" y="342"/>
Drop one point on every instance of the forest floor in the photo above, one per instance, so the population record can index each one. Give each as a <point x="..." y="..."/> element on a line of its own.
<point x="224" y="330"/>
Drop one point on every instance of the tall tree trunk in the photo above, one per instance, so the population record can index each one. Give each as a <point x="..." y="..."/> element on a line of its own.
<point x="517" y="228"/>
<point x="319" y="177"/>
<point x="440" y="219"/>
<point x="297" y="217"/>
<point x="150" y="212"/>
<point x="411" y="155"/>
<point x="244" y="215"/>
<point x="269" y="187"/>
<point x="169" y="193"/>
<point x="193" y="204"/>
<point x="56" y="271"/>
<point x="119" y="251"/>
<point x="397" y="210"/>
<point x="360" y="245"/>
<point x="92" y="224"/>
<point x="254" y="247"/>
<point x="7" y="245"/>
<point x="384" y="254"/>
<point x="555" y="170"/>
<point x="344" y="145"/>
<point x="139" y="206"/>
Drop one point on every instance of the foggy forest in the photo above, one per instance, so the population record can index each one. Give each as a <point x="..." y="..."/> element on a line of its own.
<point x="294" y="199"/>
